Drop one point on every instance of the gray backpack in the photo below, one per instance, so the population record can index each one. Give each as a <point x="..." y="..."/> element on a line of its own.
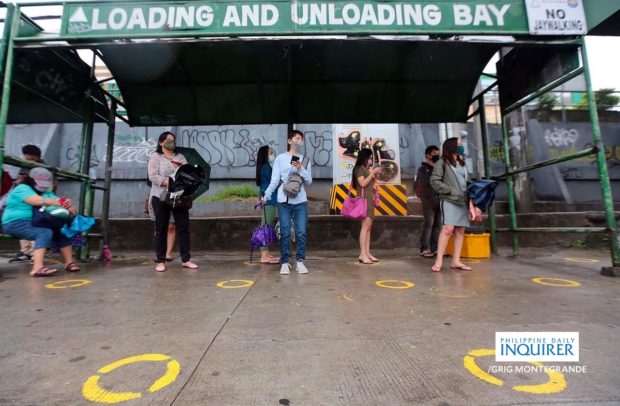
<point x="292" y="186"/>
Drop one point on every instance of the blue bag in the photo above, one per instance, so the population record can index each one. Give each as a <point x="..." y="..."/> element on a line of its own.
<point x="482" y="193"/>
<point x="80" y="224"/>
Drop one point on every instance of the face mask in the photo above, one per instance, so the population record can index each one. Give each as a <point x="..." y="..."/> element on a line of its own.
<point x="170" y="145"/>
<point x="40" y="189"/>
<point x="435" y="158"/>
<point x="299" y="146"/>
<point x="460" y="150"/>
<point x="272" y="159"/>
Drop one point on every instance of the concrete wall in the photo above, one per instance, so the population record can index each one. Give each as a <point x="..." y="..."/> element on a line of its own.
<point x="231" y="150"/>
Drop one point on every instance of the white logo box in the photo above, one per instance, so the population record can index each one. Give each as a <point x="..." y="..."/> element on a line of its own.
<point x="513" y="346"/>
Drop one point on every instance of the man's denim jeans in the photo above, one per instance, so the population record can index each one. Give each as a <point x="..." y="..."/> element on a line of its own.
<point x="299" y="213"/>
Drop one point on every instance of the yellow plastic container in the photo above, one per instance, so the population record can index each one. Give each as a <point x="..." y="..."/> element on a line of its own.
<point x="474" y="246"/>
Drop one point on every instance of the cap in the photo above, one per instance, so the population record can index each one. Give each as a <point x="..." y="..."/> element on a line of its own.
<point x="42" y="177"/>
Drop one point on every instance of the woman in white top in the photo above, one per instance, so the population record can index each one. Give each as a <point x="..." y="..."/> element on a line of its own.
<point x="162" y="164"/>
<point x="291" y="207"/>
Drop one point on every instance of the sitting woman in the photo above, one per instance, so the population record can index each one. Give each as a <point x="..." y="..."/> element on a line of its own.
<point x="17" y="220"/>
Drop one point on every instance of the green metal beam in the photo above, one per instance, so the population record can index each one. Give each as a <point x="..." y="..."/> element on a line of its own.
<point x="61" y="173"/>
<point x="568" y="157"/>
<point x="8" y="77"/>
<point x="545" y="89"/>
<point x="601" y="162"/>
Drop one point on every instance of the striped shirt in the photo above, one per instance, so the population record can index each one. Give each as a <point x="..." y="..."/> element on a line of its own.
<point x="160" y="168"/>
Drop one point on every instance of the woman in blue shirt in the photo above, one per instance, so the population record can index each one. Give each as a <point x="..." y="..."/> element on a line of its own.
<point x="17" y="220"/>
<point x="264" y="159"/>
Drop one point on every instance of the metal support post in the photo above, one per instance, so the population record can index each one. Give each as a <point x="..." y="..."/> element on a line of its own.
<point x="105" y="214"/>
<point x="510" y="188"/>
<point x="487" y="170"/>
<point x="603" y="174"/>
<point x="14" y="12"/>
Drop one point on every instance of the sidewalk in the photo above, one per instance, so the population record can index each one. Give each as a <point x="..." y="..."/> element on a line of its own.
<point x="327" y="338"/>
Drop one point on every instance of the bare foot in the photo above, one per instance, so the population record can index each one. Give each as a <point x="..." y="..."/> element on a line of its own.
<point x="160" y="267"/>
<point x="190" y="265"/>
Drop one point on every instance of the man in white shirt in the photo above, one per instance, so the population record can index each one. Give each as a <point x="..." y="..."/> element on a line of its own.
<point x="291" y="207"/>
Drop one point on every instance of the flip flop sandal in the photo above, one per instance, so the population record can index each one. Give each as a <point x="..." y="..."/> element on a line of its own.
<point x="43" y="272"/>
<point x="192" y="266"/>
<point x="374" y="260"/>
<point x="271" y="261"/>
<point x="462" y="268"/>
<point x="72" y="267"/>
<point x="365" y="262"/>
<point x="427" y="255"/>
<point x="160" y="267"/>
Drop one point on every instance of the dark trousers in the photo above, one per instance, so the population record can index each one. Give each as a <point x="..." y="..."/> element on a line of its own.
<point x="431" y="226"/>
<point x="162" y="219"/>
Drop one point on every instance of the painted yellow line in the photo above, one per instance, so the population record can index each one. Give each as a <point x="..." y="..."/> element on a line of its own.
<point x="469" y="363"/>
<point x="388" y="283"/>
<point x="563" y="283"/>
<point x="244" y="284"/>
<point x="345" y="297"/>
<point x="555" y="384"/>
<point x="70" y="283"/>
<point x="173" y="369"/>
<point x="92" y="391"/>
<point x="471" y="261"/>
<point x="251" y="263"/>
<point x="95" y="393"/>
<point x="583" y="260"/>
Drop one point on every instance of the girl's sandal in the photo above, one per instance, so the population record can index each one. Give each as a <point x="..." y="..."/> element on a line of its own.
<point x="160" y="267"/>
<point x="43" y="272"/>
<point x="72" y="267"/>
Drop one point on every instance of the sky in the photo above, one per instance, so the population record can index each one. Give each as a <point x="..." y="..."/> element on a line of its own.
<point x="603" y="52"/>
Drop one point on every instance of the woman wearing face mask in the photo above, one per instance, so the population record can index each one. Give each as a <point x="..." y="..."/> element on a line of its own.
<point x="449" y="179"/>
<point x="162" y="164"/>
<point x="17" y="220"/>
<point x="291" y="207"/>
<point x="363" y="180"/>
<point x="265" y="158"/>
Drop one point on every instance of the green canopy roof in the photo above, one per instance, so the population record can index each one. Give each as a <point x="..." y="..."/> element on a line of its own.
<point x="294" y="80"/>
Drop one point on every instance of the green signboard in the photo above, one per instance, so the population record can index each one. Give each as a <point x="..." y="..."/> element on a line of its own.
<point x="230" y="18"/>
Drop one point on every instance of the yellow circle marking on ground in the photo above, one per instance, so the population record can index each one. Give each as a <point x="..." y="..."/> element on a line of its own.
<point x="95" y="393"/>
<point x="471" y="261"/>
<point x="251" y="263"/>
<point x="583" y="260"/>
<point x="71" y="283"/>
<point x="402" y="284"/>
<point x="555" y="384"/>
<point x="563" y="283"/>
<point x="245" y="284"/>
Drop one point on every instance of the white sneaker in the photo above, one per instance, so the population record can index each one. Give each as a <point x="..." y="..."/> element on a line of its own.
<point x="285" y="269"/>
<point x="301" y="268"/>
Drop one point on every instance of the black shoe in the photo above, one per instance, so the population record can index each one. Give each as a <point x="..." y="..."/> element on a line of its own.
<point x="21" y="257"/>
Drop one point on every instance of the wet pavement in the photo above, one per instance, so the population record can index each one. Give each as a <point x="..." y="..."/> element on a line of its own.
<point x="234" y="333"/>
